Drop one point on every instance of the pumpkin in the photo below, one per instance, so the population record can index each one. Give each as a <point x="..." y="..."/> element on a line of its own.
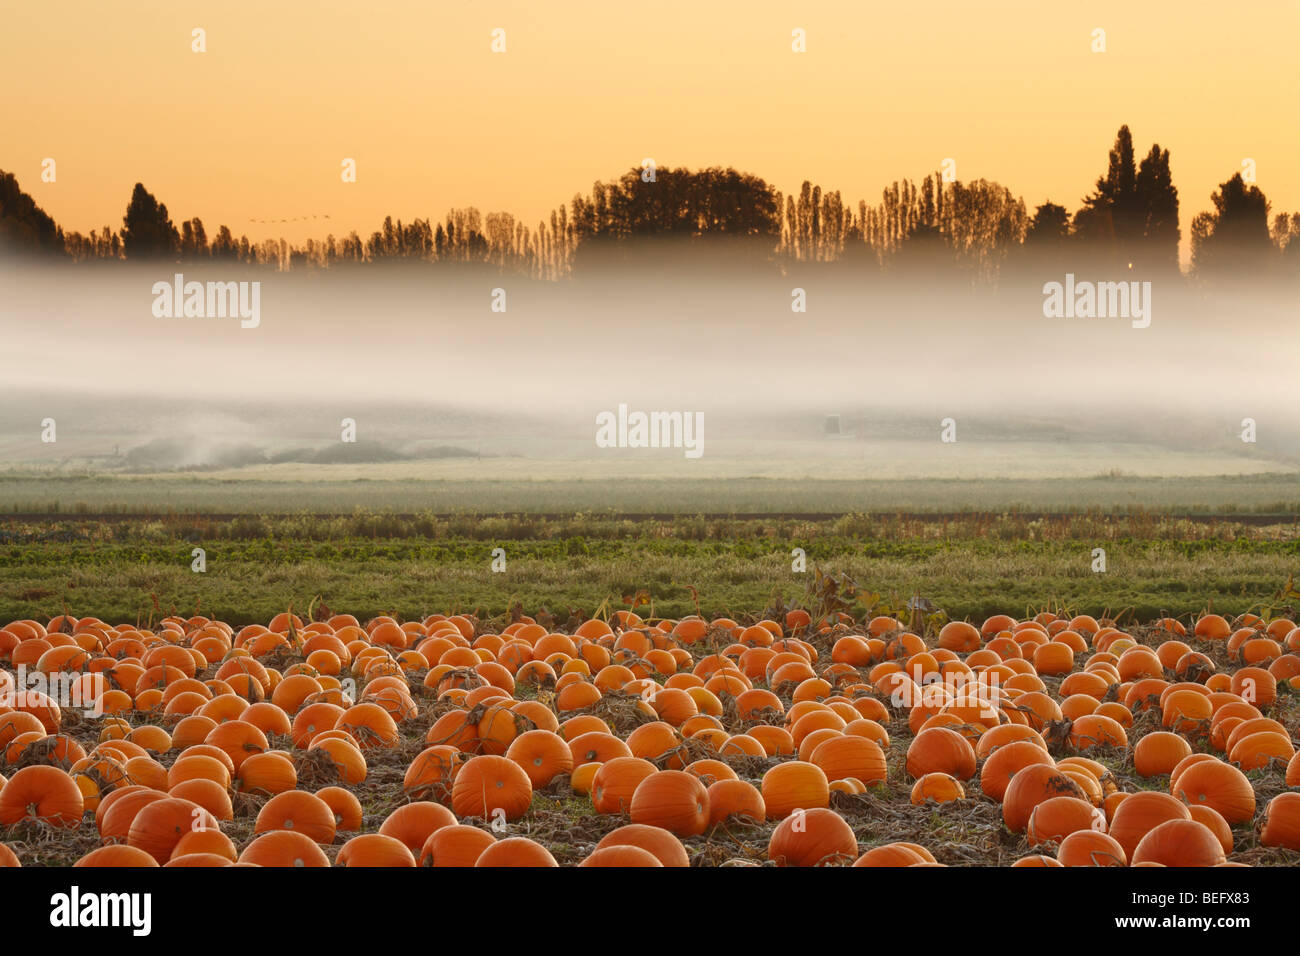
<point x="1140" y="813"/>
<point x="1096" y="730"/>
<point x="489" y="786"/>
<point x="1179" y="843"/>
<point x="939" y="787"/>
<point x="299" y="812"/>
<point x="516" y="851"/>
<point x="655" y="741"/>
<point x="1255" y="686"/>
<point x="1055" y="818"/>
<point x="208" y="794"/>
<point x="205" y="841"/>
<point x="1214" y="820"/>
<point x="812" y="837"/>
<point x="997" y="737"/>
<point x="199" y="859"/>
<point x="615" y="782"/>
<point x="596" y="746"/>
<point x="1258" y="750"/>
<point x="1003" y="763"/>
<point x="1282" y="821"/>
<point x="1091" y="848"/>
<point x="1220" y="786"/>
<point x="794" y="785"/>
<point x="117" y="855"/>
<point x="1157" y="753"/>
<point x="455" y="845"/>
<point x="942" y="750"/>
<point x="890" y="854"/>
<point x="542" y="754"/>
<point x="374" y="849"/>
<point x="735" y="799"/>
<point x="621" y="855"/>
<point x="850" y="755"/>
<point x="414" y="823"/>
<point x="1029" y="787"/>
<point x="8" y="858"/>
<point x="239" y="739"/>
<point x="41" y="792"/>
<point x="959" y="636"/>
<point x="160" y="824"/>
<point x="268" y="718"/>
<point x="198" y="767"/>
<point x="672" y="799"/>
<point x="348" y="761"/>
<point x="665" y="846"/>
<point x="313" y="719"/>
<point x="284" y="848"/>
<point x="344" y="805"/>
<point x="115" y="812"/>
<point x="270" y="773"/>
<point x="433" y="771"/>
<point x="1183" y="764"/>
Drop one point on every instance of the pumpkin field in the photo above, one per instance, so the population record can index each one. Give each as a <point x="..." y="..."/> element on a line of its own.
<point x="808" y="737"/>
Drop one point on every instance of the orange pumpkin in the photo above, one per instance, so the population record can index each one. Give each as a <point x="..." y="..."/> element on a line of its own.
<point x="939" y="787"/>
<point x="851" y="756"/>
<point x="374" y="849"/>
<point x="1029" y="787"/>
<point x="674" y="800"/>
<point x="735" y="799"/>
<point x="794" y="785"/>
<point x="516" y="851"/>
<point x="284" y="848"/>
<point x="455" y="845"/>
<point x="159" y="825"/>
<point x="1179" y="843"/>
<point x="1055" y="818"/>
<point x="488" y="786"/>
<point x="116" y="855"/>
<point x="1282" y="821"/>
<point x="1140" y="813"/>
<point x="665" y="846"/>
<point x="616" y="781"/>
<point x="41" y="792"/>
<point x="299" y="812"/>
<point x="812" y="838"/>
<point x="941" y="750"/>
<point x="413" y="823"/>
<point x="542" y="754"/>
<point x="1220" y="786"/>
<point x="1091" y="848"/>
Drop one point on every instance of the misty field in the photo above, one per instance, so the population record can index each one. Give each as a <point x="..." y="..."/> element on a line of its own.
<point x="1268" y="493"/>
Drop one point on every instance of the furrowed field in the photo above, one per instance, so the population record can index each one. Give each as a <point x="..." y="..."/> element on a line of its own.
<point x="971" y="566"/>
<point x="368" y="691"/>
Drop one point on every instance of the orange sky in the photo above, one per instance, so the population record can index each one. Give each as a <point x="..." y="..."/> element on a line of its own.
<point x="256" y="127"/>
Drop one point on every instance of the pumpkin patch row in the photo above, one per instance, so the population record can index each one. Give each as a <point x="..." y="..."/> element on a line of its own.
<point x="447" y="742"/>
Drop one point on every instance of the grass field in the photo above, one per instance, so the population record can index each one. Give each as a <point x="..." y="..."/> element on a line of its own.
<point x="1273" y="493"/>
<point x="971" y="567"/>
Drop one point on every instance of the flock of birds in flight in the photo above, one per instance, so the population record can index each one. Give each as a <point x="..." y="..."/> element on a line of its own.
<point x="265" y="222"/>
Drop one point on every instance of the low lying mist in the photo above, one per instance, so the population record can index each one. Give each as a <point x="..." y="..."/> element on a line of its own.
<point x="442" y="363"/>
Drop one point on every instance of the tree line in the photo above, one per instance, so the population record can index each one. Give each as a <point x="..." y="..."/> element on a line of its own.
<point x="977" y="229"/>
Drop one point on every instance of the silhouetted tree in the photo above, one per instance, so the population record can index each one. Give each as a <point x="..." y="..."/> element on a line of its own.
<point x="1133" y="214"/>
<point x="147" y="231"/>
<point x="24" y="226"/>
<point x="1051" y="224"/>
<point x="1235" y="237"/>
<point x="1158" y="201"/>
